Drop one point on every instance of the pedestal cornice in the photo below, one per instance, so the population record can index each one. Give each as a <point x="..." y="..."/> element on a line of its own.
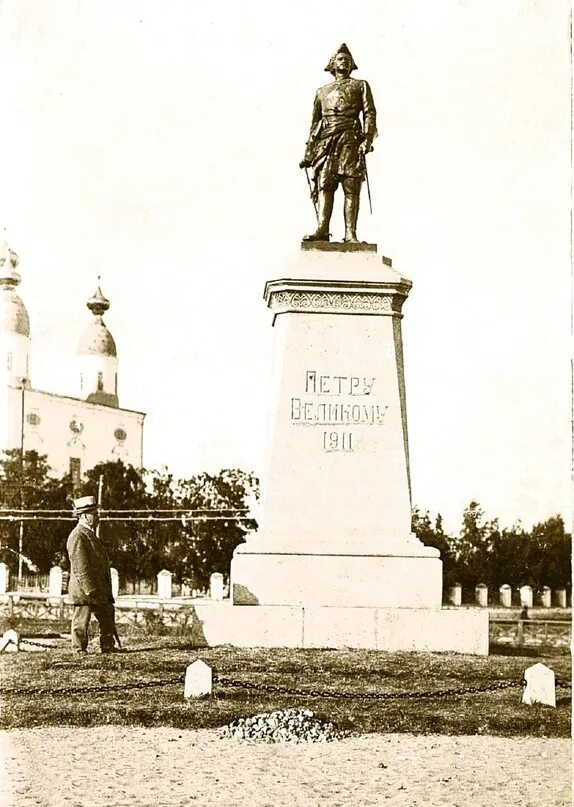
<point x="300" y="295"/>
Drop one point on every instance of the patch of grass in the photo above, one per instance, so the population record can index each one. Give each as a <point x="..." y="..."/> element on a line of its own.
<point x="350" y="671"/>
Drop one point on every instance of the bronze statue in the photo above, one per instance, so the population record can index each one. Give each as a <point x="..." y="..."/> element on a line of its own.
<point x="338" y="143"/>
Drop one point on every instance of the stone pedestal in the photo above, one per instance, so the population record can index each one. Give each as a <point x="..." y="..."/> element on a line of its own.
<point x="335" y="526"/>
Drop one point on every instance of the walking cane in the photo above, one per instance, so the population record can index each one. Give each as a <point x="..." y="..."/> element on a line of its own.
<point x="117" y="638"/>
<point x="311" y="193"/>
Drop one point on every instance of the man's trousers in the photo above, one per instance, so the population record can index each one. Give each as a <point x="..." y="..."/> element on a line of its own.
<point x="81" y="615"/>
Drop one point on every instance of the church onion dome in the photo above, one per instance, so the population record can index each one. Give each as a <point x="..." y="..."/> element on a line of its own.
<point x="13" y="314"/>
<point x="96" y="339"/>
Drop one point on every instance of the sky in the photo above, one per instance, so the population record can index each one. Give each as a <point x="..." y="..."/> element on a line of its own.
<point x="156" y="144"/>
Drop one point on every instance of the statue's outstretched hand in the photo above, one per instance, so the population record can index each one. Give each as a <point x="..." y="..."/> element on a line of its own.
<point x="305" y="164"/>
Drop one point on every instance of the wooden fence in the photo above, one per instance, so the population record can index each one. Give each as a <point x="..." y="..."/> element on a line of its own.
<point x="530" y="632"/>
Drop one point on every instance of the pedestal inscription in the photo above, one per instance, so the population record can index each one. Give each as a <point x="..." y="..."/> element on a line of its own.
<point x="331" y="401"/>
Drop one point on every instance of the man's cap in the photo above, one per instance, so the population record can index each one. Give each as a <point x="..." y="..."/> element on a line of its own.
<point x="85" y="504"/>
<point x="341" y="49"/>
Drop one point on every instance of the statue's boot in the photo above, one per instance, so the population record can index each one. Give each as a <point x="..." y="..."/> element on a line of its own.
<point x="351" y="210"/>
<point x="325" y="208"/>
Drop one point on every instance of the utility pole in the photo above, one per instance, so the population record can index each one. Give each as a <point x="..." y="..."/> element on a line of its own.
<point x="21" y="533"/>
<point x="100" y="492"/>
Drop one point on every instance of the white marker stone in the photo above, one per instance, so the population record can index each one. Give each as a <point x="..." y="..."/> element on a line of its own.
<point x="481" y="595"/>
<point x="10" y="641"/>
<point x="164" y="584"/>
<point x="540" y="685"/>
<point x="4" y="578"/>
<point x="546" y="597"/>
<point x="198" y="680"/>
<point x="115" y="582"/>
<point x="505" y="592"/>
<point x="526" y="596"/>
<point x="560" y="597"/>
<point x="455" y="594"/>
<point x="55" y="582"/>
<point x="216" y="586"/>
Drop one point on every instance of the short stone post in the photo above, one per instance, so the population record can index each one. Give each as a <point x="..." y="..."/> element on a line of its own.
<point x="505" y="592"/>
<point x="216" y="586"/>
<point x="55" y="582"/>
<point x="454" y="594"/>
<point x="546" y="597"/>
<point x="115" y="582"/>
<point x="164" y="584"/>
<point x="5" y="578"/>
<point x="540" y="685"/>
<point x="10" y="641"/>
<point x="481" y="595"/>
<point x="526" y="596"/>
<point x="560" y="597"/>
<point x="198" y="680"/>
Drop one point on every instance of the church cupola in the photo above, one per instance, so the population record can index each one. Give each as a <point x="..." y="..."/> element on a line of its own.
<point x="97" y="360"/>
<point x="14" y="323"/>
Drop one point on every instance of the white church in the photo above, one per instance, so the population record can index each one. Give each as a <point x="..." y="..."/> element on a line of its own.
<point x="75" y="433"/>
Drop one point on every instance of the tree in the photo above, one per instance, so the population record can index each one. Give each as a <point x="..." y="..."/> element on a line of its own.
<point x="218" y="525"/>
<point x="550" y="557"/>
<point x="192" y="547"/>
<point x="435" y="536"/>
<point x="474" y="547"/>
<point x="29" y="484"/>
<point x="509" y="558"/>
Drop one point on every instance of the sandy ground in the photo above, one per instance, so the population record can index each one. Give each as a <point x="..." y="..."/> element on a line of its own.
<point x="118" y="766"/>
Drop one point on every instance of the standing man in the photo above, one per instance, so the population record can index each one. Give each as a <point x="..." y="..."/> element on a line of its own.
<point x="90" y="586"/>
<point x="338" y="143"/>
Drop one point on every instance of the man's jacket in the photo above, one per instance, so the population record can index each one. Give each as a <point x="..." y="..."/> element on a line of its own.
<point x="90" y="579"/>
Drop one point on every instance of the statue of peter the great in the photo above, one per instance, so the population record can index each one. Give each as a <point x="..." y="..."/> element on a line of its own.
<point x="338" y="142"/>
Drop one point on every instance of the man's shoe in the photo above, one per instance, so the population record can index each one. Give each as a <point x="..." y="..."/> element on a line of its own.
<point x="112" y="650"/>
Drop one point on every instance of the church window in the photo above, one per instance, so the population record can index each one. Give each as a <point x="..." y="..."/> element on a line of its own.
<point x="75" y="471"/>
<point x="9" y="362"/>
<point x="100" y="382"/>
<point x="81" y="381"/>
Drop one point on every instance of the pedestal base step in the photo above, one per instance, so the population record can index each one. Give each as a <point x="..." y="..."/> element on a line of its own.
<point x="463" y="630"/>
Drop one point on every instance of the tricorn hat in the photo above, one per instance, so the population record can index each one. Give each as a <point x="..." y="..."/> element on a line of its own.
<point x="85" y="504"/>
<point x="341" y="49"/>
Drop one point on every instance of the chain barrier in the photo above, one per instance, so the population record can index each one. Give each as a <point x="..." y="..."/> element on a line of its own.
<point x="379" y="696"/>
<point x="93" y="689"/>
<point x="269" y="689"/>
<point x="35" y="644"/>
